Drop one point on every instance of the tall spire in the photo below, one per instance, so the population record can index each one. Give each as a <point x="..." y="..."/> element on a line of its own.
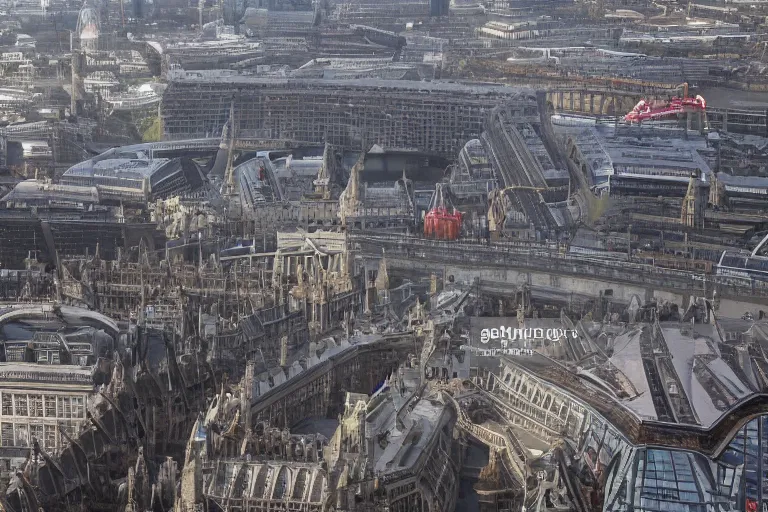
<point x="350" y="198"/>
<point x="322" y="182"/>
<point x="689" y="213"/>
<point x="230" y="174"/>
<point x="382" y="278"/>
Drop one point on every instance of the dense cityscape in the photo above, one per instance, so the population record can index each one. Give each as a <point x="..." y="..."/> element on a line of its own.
<point x="383" y="256"/>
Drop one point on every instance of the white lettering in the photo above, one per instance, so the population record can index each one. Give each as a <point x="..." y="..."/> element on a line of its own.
<point x="498" y="351"/>
<point x="507" y="334"/>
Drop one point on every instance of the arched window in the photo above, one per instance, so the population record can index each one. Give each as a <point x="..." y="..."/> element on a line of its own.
<point x="281" y="484"/>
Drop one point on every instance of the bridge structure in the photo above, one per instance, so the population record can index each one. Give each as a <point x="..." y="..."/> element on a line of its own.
<point x="599" y="101"/>
<point x="501" y="267"/>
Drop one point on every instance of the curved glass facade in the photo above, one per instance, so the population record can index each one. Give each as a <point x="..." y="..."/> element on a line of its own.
<point x="654" y="480"/>
<point x="747" y="457"/>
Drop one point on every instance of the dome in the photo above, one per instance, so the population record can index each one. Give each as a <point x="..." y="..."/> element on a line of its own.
<point x="88" y="22"/>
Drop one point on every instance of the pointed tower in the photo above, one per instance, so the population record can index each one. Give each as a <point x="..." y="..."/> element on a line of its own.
<point x="230" y="172"/>
<point x="349" y="201"/>
<point x="716" y="191"/>
<point x="323" y="180"/>
<point x="692" y="212"/>
<point x="407" y="184"/>
<point x="497" y="212"/>
<point x="88" y="27"/>
<point x="192" y="473"/>
<point x="382" y="278"/>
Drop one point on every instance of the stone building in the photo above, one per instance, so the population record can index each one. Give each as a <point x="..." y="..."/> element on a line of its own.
<point x="50" y="366"/>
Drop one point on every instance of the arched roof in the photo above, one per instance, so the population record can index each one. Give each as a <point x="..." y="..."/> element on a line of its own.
<point x="69" y="314"/>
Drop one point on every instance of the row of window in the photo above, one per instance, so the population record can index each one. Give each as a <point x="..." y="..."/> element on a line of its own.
<point x="22" y="435"/>
<point x="42" y="406"/>
<point x="18" y="354"/>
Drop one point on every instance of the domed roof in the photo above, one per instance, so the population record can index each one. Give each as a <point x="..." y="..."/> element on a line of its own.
<point x="88" y="22"/>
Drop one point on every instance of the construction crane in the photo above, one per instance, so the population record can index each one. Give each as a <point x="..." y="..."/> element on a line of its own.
<point x="645" y="110"/>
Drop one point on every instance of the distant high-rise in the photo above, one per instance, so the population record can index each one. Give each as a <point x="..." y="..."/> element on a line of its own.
<point x="439" y="7"/>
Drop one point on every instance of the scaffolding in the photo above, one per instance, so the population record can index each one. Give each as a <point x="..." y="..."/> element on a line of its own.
<point x="430" y="117"/>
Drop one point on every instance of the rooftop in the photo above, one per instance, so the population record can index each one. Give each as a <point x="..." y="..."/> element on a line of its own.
<point x="62" y="374"/>
<point x="408" y="421"/>
<point x="364" y="83"/>
<point x="665" y="373"/>
<point x="118" y="164"/>
<point x="33" y="190"/>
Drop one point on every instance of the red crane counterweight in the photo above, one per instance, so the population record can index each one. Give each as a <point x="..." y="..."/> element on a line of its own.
<point x="440" y="222"/>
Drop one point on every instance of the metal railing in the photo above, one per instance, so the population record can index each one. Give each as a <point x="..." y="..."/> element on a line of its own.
<point x="546" y="258"/>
